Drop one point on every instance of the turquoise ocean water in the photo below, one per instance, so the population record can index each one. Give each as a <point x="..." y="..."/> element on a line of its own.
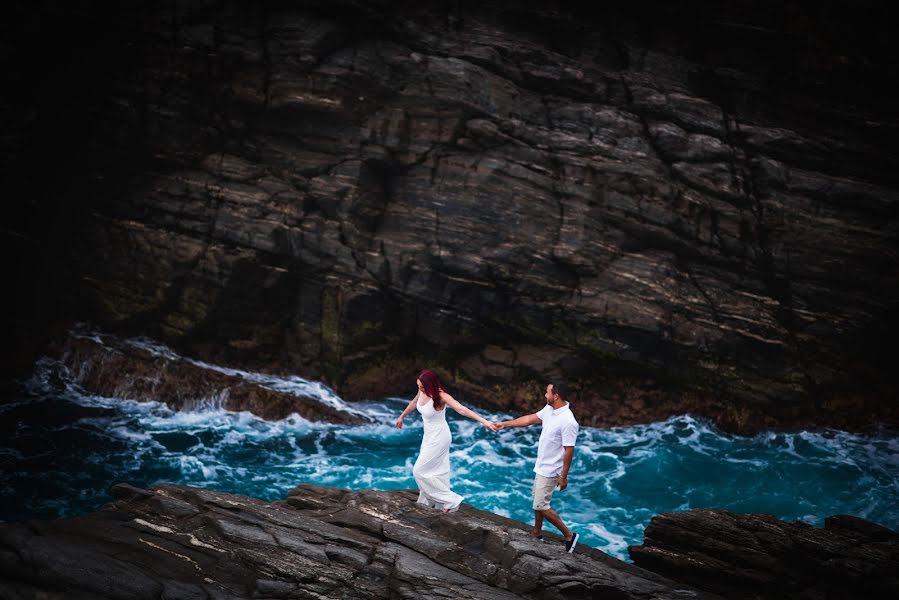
<point x="61" y="449"/>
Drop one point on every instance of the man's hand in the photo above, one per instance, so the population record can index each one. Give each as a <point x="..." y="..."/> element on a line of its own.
<point x="499" y="426"/>
<point x="566" y="464"/>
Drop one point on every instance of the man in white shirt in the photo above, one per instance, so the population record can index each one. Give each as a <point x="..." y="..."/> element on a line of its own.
<point x="554" y="454"/>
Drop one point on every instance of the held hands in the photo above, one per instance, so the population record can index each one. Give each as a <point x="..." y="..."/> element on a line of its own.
<point x="563" y="483"/>
<point x="399" y="423"/>
<point x="495" y="426"/>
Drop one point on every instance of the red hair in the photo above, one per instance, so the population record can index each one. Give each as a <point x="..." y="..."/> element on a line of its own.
<point x="431" y="383"/>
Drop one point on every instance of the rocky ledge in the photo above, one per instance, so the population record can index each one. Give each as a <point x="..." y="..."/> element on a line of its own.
<point x="187" y="543"/>
<point x="758" y="556"/>
<point x="181" y="542"/>
<point x="141" y="370"/>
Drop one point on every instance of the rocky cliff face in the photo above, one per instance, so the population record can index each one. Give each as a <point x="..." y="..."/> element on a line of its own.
<point x="674" y="209"/>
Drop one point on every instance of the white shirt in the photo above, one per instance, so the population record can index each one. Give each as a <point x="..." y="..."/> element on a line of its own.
<point x="559" y="430"/>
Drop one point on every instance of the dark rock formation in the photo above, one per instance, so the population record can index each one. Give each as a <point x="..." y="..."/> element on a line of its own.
<point x="673" y="207"/>
<point x="135" y="370"/>
<point x="186" y="543"/>
<point x="758" y="556"/>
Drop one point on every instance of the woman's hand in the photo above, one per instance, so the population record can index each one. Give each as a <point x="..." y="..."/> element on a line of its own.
<point x="399" y="422"/>
<point x="491" y="426"/>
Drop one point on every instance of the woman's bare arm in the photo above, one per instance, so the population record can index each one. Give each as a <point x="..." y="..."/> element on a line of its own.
<point x="408" y="409"/>
<point x="466" y="412"/>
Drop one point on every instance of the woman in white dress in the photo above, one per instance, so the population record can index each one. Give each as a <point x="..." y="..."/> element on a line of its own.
<point x="432" y="468"/>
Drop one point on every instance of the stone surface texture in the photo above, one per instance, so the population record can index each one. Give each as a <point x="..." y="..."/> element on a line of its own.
<point x="758" y="556"/>
<point x="673" y="208"/>
<point x="187" y="543"/>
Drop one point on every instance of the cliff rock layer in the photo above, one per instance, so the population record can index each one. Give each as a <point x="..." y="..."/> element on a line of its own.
<point x="674" y="208"/>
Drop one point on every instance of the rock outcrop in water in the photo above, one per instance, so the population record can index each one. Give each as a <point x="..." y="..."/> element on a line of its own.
<point x="758" y="556"/>
<point x="186" y="543"/>
<point x="138" y="370"/>
<point x="675" y="208"/>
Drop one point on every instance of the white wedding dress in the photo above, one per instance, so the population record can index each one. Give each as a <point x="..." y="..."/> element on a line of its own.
<point x="432" y="468"/>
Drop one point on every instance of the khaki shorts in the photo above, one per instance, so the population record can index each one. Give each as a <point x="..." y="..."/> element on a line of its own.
<point x="543" y="490"/>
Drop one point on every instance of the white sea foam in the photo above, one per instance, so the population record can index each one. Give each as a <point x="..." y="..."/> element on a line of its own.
<point x="615" y="544"/>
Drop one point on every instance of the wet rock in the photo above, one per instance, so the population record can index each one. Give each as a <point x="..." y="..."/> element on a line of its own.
<point x="319" y="542"/>
<point x="758" y="556"/>
<point x="138" y="370"/>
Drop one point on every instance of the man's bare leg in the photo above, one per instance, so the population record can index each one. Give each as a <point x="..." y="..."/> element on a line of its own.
<point x="554" y="518"/>
<point x="538" y="524"/>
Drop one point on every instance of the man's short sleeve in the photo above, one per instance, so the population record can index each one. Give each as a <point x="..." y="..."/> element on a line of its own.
<point x="569" y="434"/>
<point x="542" y="413"/>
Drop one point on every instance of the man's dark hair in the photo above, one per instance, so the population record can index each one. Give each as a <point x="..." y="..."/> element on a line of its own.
<point x="561" y="389"/>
